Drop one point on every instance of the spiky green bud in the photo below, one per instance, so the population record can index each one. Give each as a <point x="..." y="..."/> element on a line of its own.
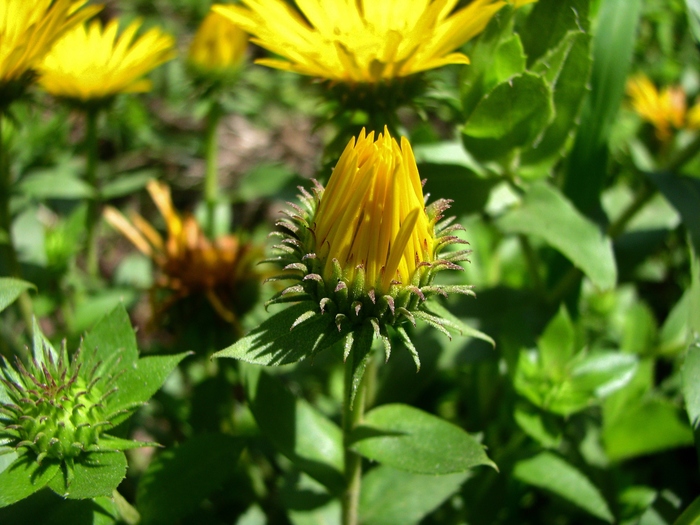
<point x="54" y="410"/>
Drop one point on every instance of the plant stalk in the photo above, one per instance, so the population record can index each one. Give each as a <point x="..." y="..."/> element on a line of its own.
<point x="93" y="212"/>
<point x="352" y="416"/>
<point x="211" y="175"/>
<point x="24" y="300"/>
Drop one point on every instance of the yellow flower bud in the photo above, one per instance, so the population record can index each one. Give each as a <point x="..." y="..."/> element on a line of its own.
<point x="218" y="47"/>
<point x="372" y="214"/>
<point x="365" y="250"/>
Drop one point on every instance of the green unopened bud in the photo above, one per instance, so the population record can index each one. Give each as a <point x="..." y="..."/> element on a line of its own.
<point x="54" y="411"/>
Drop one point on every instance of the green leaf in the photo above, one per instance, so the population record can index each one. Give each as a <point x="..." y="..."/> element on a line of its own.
<point x="24" y="477"/>
<point x="56" y="184"/>
<point x="550" y="472"/>
<point x="548" y="24"/>
<point x="613" y="47"/>
<point x="409" y="439"/>
<point x="450" y="153"/>
<point x="445" y="180"/>
<point x="580" y="383"/>
<point x="112" y="443"/>
<point x="539" y="425"/>
<point x="691" y="385"/>
<point x="359" y="342"/>
<point x="139" y="382"/>
<point x="11" y="289"/>
<point x="496" y="57"/>
<point x="567" y="70"/>
<point x="456" y="324"/>
<point x="126" y="184"/>
<point x="94" y="474"/>
<point x="694" y="308"/>
<point x="510" y="116"/>
<point x="112" y="341"/>
<point x="47" y="508"/>
<point x="265" y="180"/>
<point x="508" y="61"/>
<point x="91" y="308"/>
<point x="691" y="515"/>
<point x="310" y="440"/>
<point x="546" y="213"/>
<point x="29" y="237"/>
<point x="275" y="342"/>
<point x="649" y="426"/>
<point x="307" y="502"/>
<point x="675" y="332"/>
<point x="395" y="497"/>
<point x="557" y="342"/>
<point x="684" y="194"/>
<point x="693" y="7"/>
<point x="178" y="479"/>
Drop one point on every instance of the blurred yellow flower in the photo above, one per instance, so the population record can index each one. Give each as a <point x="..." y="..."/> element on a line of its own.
<point x="361" y="41"/>
<point x="372" y="213"/>
<point x="28" y="29"/>
<point x="664" y="109"/>
<point x="189" y="263"/>
<point x="91" y="64"/>
<point x="693" y="117"/>
<point x="218" y="47"/>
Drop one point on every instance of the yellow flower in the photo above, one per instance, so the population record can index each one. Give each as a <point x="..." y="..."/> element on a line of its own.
<point x="28" y="29"/>
<point x="365" y="250"/>
<point x="372" y="214"/>
<point x="189" y="263"/>
<point x="218" y="47"/>
<point x="361" y="41"/>
<point x="693" y="117"/>
<point x="664" y="110"/>
<point x="91" y="64"/>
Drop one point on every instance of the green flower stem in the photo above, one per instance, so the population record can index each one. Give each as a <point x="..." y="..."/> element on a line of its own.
<point x="352" y="416"/>
<point x="211" y="176"/>
<point x="24" y="301"/>
<point x="93" y="212"/>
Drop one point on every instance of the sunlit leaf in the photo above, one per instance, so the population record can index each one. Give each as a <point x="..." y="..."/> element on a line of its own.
<point x="11" y="289"/>
<point x="409" y="439"/>
<point x="310" y="440"/>
<point x="396" y="497"/>
<point x="552" y="473"/>
<point x="547" y="214"/>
